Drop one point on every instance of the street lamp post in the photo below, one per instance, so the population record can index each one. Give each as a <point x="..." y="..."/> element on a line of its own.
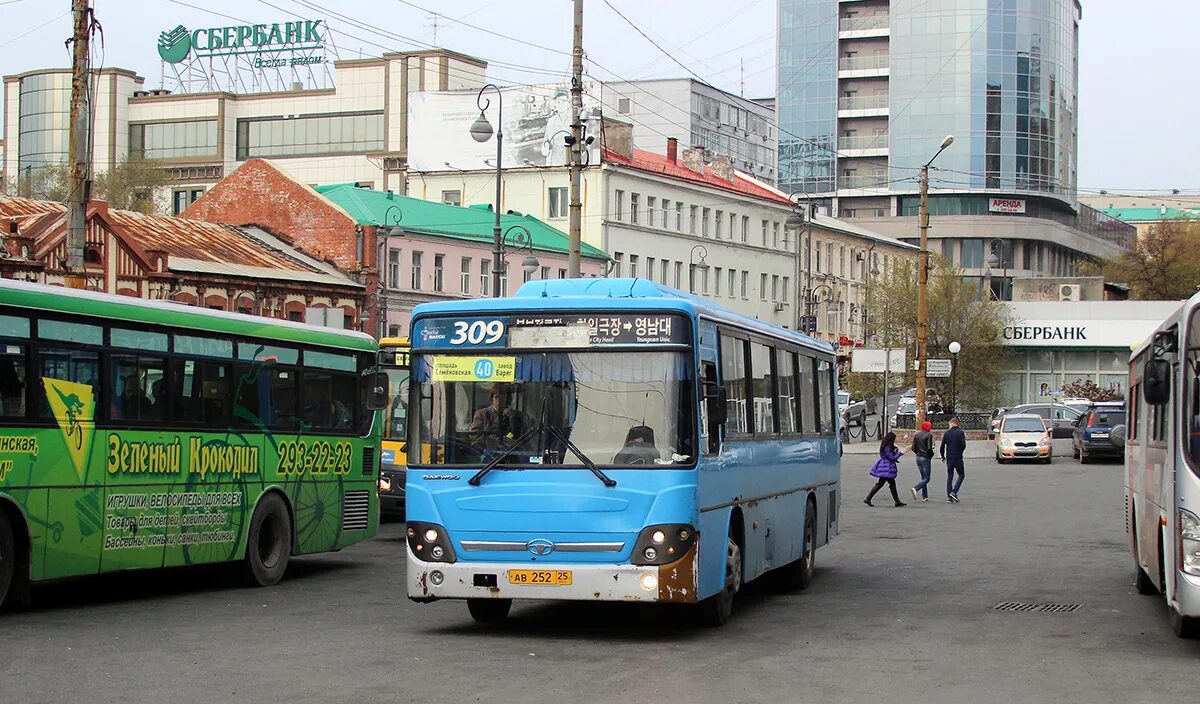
<point x="954" y="348"/>
<point x="693" y="265"/>
<point x="520" y="240"/>
<point x="481" y="131"/>
<point x="384" y="232"/>
<point x="923" y="280"/>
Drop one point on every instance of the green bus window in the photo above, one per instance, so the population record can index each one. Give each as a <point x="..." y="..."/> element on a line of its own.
<point x="75" y="366"/>
<point x="267" y="353"/>
<point x="329" y="400"/>
<point x="284" y="393"/>
<point x="138" y="340"/>
<point x="138" y="388"/>
<point x="325" y="360"/>
<point x="12" y="326"/>
<point x="203" y="346"/>
<point x="201" y="392"/>
<point x="70" y="332"/>
<point x="12" y="381"/>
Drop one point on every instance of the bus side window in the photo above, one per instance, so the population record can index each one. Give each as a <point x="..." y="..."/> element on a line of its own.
<point x="12" y="381"/>
<point x="200" y="392"/>
<point x="77" y="366"/>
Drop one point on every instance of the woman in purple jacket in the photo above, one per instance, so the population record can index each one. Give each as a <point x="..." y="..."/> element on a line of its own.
<point x="885" y="469"/>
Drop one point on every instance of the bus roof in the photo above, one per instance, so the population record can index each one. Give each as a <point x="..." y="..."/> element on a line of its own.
<point x="618" y="294"/>
<point x="102" y="305"/>
<point x="395" y="342"/>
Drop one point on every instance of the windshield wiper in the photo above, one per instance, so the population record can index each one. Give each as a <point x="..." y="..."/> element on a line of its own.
<point x="587" y="462"/>
<point x="474" y="481"/>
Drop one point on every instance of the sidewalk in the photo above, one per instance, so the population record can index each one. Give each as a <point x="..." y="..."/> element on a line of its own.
<point x="976" y="449"/>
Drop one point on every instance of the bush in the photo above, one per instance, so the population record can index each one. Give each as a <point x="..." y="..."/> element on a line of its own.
<point x="1086" y="388"/>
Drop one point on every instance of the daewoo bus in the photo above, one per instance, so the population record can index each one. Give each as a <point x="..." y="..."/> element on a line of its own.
<point x="613" y="439"/>
<point x="145" y="434"/>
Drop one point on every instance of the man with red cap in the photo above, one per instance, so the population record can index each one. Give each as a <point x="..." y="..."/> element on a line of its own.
<point x="922" y="447"/>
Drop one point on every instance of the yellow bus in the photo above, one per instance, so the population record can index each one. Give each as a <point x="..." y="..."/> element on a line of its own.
<point x="393" y="359"/>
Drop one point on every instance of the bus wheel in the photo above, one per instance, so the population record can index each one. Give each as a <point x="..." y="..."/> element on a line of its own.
<point x="8" y="556"/>
<point x="489" y="610"/>
<point x="1184" y="626"/>
<point x="718" y="608"/>
<point x="1143" y="583"/>
<point x="269" y="542"/>
<point x="798" y="575"/>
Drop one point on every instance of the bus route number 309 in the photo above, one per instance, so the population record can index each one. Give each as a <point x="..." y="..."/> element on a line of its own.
<point x="479" y="332"/>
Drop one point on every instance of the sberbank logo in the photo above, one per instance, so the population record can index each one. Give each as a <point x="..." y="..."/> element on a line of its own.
<point x="175" y="45"/>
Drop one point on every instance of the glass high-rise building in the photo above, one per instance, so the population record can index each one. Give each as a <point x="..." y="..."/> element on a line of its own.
<point x="868" y="89"/>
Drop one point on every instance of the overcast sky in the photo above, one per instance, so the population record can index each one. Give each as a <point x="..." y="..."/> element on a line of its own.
<point x="1137" y="107"/>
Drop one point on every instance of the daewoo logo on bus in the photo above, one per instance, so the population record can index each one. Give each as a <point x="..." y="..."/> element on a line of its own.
<point x="540" y="546"/>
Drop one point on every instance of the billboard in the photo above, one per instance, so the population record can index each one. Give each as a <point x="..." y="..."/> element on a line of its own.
<point x="536" y="119"/>
<point x="869" y="360"/>
<point x="1006" y="205"/>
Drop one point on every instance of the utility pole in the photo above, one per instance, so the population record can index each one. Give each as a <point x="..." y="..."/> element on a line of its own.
<point x="922" y="292"/>
<point x="79" y="184"/>
<point x="575" y="221"/>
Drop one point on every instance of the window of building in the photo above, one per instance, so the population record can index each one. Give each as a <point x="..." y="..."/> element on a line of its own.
<point x="619" y="209"/>
<point x="452" y="197"/>
<point x="720" y="220"/>
<point x="692" y="221"/>
<point x="774" y="287"/>
<point x="666" y="208"/>
<point x="464" y="278"/>
<point x="762" y="286"/>
<point x="562" y="273"/>
<point x="181" y="198"/>
<point x="704" y="222"/>
<point x="704" y="281"/>
<point x="972" y="253"/>
<point x="633" y="266"/>
<point x="732" y="225"/>
<point x="678" y="274"/>
<point x="651" y="210"/>
<point x="775" y="235"/>
<point x="416" y="270"/>
<point x="650" y="268"/>
<point x="784" y="296"/>
<point x="765" y="225"/>
<point x="485" y="277"/>
<point x="634" y="202"/>
<point x="557" y="198"/>
<point x="196" y="139"/>
<point x="664" y="264"/>
<point x="439" y="267"/>
<point x="842" y="260"/>
<point x="678" y="216"/>
<point x="623" y="106"/>
<point x="732" y="282"/>
<point x="745" y="284"/>
<point x="348" y="133"/>
<point x="617" y="260"/>
<point x="745" y="228"/>
<point x="544" y="274"/>
<point x="829" y="257"/>
<point x="817" y="267"/>
<point x="393" y="280"/>
<point x="503" y="278"/>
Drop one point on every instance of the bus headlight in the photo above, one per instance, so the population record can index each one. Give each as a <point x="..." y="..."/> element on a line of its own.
<point x="1189" y="541"/>
<point x="429" y="542"/>
<point x="662" y="544"/>
<point x="385" y="484"/>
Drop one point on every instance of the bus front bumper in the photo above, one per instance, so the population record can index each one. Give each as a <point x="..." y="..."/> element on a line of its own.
<point x="676" y="582"/>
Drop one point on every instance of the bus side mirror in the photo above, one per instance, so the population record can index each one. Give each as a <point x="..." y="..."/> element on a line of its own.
<point x="717" y="400"/>
<point x="1156" y="382"/>
<point x="376" y="391"/>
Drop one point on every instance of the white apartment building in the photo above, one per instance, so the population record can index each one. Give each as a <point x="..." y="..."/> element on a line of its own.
<point x="672" y="218"/>
<point x="354" y="133"/>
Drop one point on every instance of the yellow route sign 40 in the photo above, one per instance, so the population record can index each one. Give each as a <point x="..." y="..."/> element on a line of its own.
<point x="497" y="369"/>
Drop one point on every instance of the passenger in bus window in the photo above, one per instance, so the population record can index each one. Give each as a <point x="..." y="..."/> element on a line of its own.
<point x="496" y="423"/>
<point x="639" y="447"/>
<point x="12" y="386"/>
<point x="132" y="399"/>
<point x="158" y="405"/>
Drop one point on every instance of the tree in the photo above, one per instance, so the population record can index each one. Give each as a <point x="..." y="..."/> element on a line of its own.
<point x="956" y="313"/>
<point x="1164" y="264"/>
<point x="130" y="185"/>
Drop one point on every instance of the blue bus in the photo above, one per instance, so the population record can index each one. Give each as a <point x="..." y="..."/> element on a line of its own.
<point x="613" y="439"/>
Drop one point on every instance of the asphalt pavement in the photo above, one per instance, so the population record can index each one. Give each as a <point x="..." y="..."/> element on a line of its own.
<point x="902" y="609"/>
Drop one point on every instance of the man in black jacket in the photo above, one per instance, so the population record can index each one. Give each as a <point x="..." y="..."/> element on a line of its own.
<point x="954" y="444"/>
<point x="922" y="447"/>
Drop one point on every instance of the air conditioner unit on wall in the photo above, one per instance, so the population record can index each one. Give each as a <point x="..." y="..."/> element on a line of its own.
<point x="1068" y="292"/>
<point x="778" y="306"/>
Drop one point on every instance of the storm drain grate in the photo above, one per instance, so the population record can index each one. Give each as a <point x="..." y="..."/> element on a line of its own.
<point x="1037" y="608"/>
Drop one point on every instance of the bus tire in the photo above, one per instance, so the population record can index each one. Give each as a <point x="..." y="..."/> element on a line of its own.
<point x="717" y="609"/>
<point x="268" y="542"/>
<point x="489" y="610"/>
<point x="798" y="575"/>
<point x="8" y="555"/>
<point x="1183" y="626"/>
<point x="1143" y="583"/>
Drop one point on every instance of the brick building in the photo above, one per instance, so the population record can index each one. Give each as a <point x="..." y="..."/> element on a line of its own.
<point x="241" y="269"/>
<point x="444" y="251"/>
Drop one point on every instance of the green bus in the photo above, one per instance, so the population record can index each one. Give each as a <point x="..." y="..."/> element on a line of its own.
<point x="141" y="434"/>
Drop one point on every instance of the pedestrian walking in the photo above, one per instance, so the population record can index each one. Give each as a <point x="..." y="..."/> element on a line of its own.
<point x="885" y="469"/>
<point x="922" y="448"/>
<point x="954" y="444"/>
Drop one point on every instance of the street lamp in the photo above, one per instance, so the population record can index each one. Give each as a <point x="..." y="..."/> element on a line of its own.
<point x="481" y="131"/>
<point x="954" y="348"/>
<point x="383" y="234"/>
<point x="693" y="265"/>
<point x="814" y="298"/>
<point x="521" y="240"/>
<point x="923" y="279"/>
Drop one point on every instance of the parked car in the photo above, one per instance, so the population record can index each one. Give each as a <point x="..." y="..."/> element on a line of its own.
<point x="851" y="411"/>
<point x="906" y="407"/>
<point x="994" y="424"/>
<point x="1061" y="418"/>
<point x="1100" y="432"/>
<point x="1071" y="401"/>
<point x="910" y="393"/>
<point x="1023" y="436"/>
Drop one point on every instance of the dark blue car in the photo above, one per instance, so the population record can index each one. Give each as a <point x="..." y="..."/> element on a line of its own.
<point x="1099" y="432"/>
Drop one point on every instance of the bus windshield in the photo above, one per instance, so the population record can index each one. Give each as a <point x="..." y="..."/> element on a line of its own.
<point x="617" y="409"/>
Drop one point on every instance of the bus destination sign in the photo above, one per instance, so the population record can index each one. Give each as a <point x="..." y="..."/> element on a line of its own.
<point x="552" y="331"/>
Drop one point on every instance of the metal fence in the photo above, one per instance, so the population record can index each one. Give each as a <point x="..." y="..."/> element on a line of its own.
<point x="941" y="421"/>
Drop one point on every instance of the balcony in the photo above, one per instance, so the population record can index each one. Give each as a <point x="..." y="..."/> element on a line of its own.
<point x="863" y="106"/>
<point x="863" y="66"/>
<point x="864" y="145"/>
<point x="864" y="26"/>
